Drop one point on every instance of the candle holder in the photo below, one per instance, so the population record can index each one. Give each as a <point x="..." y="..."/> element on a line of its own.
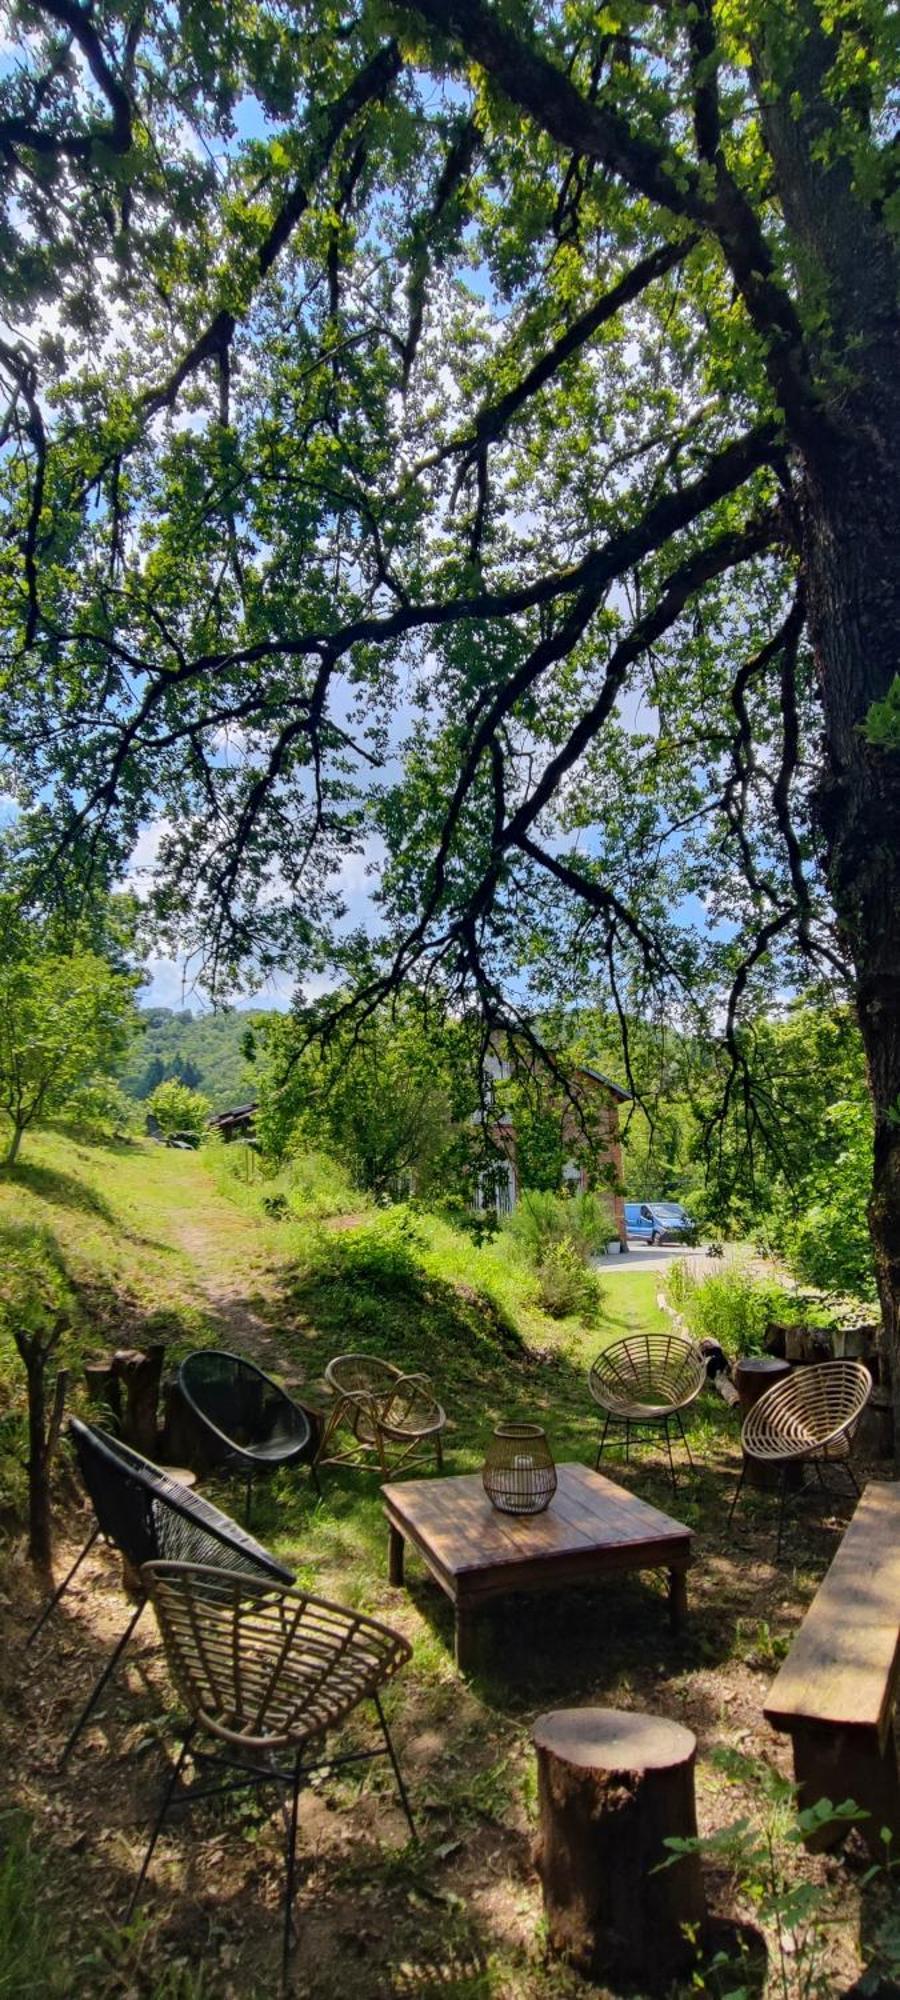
<point x="518" y="1474"/>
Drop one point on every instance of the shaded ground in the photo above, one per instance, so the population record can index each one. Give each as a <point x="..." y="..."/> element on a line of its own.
<point x="459" y="1913"/>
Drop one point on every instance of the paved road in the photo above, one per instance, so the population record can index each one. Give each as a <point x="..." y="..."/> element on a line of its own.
<point x="647" y="1257"/>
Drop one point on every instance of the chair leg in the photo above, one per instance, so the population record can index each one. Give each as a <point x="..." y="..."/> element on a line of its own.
<point x="404" y="1800"/>
<point x="737" y="1492"/>
<point x="290" y="1869"/>
<point x="314" y="1477"/>
<point x="853" y="1479"/>
<point x="781" y="1509"/>
<point x="97" y="1691"/>
<point x="627" y="1439"/>
<point x="671" y="1459"/>
<point x="53" y="1601"/>
<point x="167" y="1798"/>
<point x="249" y="1500"/>
<point x="439" y="1451"/>
<point x="602" y="1443"/>
<point x="678" y="1419"/>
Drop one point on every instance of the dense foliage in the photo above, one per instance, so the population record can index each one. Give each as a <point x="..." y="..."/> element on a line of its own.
<point x="411" y="1101"/>
<point x="461" y="441"/>
<point x="205" y="1051"/>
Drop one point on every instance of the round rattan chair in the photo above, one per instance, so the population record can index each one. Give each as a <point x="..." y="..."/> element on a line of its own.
<point x="251" y="1423"/>
<point x="646" y="1382"/>
<point x="264" y="1673"/>
<point x="378" y="1412"/>
<point x="809" y="1417"/>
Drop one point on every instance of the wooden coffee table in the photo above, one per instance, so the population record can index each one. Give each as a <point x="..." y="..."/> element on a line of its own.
<point x="591" y="1529"/>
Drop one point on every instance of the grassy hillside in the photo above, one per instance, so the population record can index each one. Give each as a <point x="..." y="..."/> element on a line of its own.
<point x="176" y="1246"/>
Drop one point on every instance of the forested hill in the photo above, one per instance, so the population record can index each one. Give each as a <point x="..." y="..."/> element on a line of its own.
<point x="204" y="1050"/>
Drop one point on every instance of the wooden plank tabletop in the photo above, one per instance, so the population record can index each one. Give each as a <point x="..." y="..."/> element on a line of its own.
<point x="455" y="1521"/>
<point x="843" y="1665"/>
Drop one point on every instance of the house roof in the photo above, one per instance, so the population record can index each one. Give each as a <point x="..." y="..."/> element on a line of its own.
<point x="587" y="1069"/>
<point x="241" y="1115"/>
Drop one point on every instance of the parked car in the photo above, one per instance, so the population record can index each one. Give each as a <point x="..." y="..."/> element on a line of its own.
<point x="658" y="1221"/>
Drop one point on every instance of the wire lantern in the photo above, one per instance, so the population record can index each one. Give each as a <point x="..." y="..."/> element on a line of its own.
<point x="519" y="1475"/>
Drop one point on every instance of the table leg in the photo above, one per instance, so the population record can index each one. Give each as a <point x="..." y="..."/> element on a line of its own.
<point x="463" y="1637"/>
<point x="677" y="1598"/>
<point x="395" y="1555"/>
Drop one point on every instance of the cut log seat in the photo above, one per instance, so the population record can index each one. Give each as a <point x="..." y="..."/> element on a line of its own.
<point x="836" y="1692"/>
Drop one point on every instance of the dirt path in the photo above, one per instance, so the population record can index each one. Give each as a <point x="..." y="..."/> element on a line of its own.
<point x="234" y="1268"/>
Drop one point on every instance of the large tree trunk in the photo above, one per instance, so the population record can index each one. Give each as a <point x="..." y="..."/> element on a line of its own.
<point x="850" y="543"/>
<point x="853" y="573"/>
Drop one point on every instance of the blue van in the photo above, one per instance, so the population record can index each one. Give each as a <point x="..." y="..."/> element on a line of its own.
<point x="657" y="1221"/>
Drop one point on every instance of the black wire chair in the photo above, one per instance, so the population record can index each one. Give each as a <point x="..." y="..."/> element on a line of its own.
<point x="148" y="1517"/>
<point x="252" y="1423"/>
<point x="264" y="1675"/>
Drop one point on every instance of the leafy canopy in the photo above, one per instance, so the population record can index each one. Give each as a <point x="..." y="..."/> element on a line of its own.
<point x="408" y="418"/>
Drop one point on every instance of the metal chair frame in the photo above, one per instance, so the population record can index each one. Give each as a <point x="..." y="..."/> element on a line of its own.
<point x="165" y="1581"/>
<point x="632" y="1375"/>
<point x="231" y="1451"/>
<point x="808" y="1418"/>
<point x="144" y="1513"/>
<point x="374" y="1401"/>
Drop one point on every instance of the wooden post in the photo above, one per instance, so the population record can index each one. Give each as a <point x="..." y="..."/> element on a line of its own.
<point x="612" y="1787"/>
<point x="851" y="1763"/>
<point x="395" y="1556"/>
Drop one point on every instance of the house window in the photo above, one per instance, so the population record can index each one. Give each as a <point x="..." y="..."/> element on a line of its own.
<point x="497" y="1190"/>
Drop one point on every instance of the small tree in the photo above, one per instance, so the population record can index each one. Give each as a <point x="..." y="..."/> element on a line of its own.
<point x="37" y="1308"/>
<point x="64" y="1018"/>
<point x="178" y="1109"/>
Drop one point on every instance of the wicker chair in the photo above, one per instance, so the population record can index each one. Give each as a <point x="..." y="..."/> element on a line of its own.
<point x="146" y="1515"/>
<point x="380" y="1413"/>
<point x="249" y="1421"/>
<point x="265" y="1674"/>
<point x="809" y="1417"/>
<point x="645" y="1382"/>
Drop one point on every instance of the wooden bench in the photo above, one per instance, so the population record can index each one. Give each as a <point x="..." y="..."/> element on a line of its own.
<point x="836" y="1691"/>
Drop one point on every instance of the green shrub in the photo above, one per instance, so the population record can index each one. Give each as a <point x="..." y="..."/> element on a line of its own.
<point x="540" y="1220"/>
<point x="178" y="1109"/>
<point x="733" y="1307"/>
<point x="566" y="1286"/>
<point x="371" y="1289"/>
<point x="318" y="1186"/>
<point x="680" y="1285"/>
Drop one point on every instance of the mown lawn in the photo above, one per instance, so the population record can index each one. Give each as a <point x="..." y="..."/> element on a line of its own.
<point x="167" y="1242"/>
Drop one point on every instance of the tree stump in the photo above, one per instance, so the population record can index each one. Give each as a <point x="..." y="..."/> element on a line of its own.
<point x="185" y="1437"/>
<point x="127" y="1384"/>
<point x="612" y="1787"/>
